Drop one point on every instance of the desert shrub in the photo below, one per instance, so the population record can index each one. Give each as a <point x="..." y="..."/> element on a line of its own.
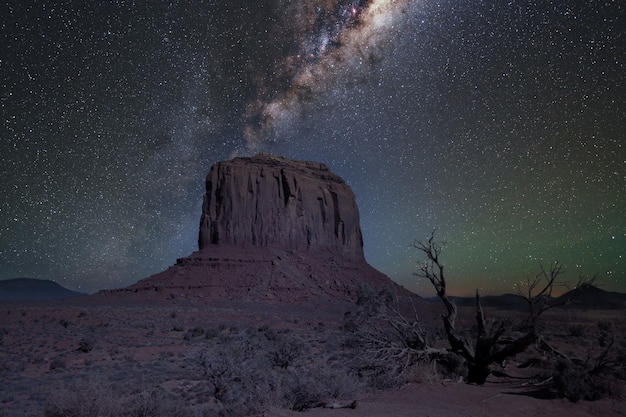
<point x="284" y="354"/>
<point x="269" y="333"/>
<point x="451" y="366"/>
<point x="57" y="363"/>
<point x="210" y="333"/>
<point x="3" y="332"/>
<point x="424" y="372"/>
<point x="193" y="333"/>
<point x="606" y="325"/>
<point x="86" y="344"/>
<point x="310" y="386"/>
<point x="83" y="398"/>
<point x="301" y="391"/>
<point x="381" y="373"/>
<point x="350" y="325"/>
<point x="91" y="397"/>
<point x="574" y="382"/>
<point x="576" y="330"/>
<point x="238" y="374"/>
<point x="248" y="372"/>
<point x="390" y="346"/>
<point x="155" y="403"/>
<point x="606" y="334"/>
<point x="197" y="331"/>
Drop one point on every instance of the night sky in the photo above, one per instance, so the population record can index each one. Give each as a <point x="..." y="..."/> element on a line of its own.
<point x="501" y="123"/>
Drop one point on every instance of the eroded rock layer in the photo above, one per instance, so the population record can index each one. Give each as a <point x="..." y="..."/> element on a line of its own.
<point x="260" y="274"/>
<point x="276" y="202"/>
<point x="271" y="230"/>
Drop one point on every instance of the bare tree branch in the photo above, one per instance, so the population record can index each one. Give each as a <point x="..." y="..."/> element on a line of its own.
<point x="432" y="269"/>
<point x="490" y="346"/>
<point x="538" y="291"/>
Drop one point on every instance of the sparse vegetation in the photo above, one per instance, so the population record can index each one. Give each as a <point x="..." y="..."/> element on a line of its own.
<point x="249" y="372"/>
<point x="86" y="344"/>
<point x="83" y="398"/>
<point x="495" y="341"/>
<point x="222" y="365"/>
<point x="390" y="344"/>
<point x="577" y="330"/>
<point x="599" y="373"/>
<point x="57" y="363"/>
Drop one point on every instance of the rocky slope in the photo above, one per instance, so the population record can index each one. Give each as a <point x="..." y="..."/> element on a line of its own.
<point x="30" y="289"/>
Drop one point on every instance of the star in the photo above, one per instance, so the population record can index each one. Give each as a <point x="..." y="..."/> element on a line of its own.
<point x="501" y="125"/>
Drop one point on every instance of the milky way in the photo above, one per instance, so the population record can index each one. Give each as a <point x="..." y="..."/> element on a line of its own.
<point x="333" y="40"/>
<point x="501" y="124"/>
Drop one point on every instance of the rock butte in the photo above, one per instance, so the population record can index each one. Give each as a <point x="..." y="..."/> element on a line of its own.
<point x="270" y="201"/>
<point x="271" y="229"/>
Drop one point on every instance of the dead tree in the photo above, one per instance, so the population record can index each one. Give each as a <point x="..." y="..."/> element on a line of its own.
<point x="390" y="332"/>
<point x="537" y="291"/>
<point x="490" y="344"/>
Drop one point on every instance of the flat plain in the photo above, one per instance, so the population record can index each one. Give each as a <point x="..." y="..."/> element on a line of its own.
<point x="91" y="356"/>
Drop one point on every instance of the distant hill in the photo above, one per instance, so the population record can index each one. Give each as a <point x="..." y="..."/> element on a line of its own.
<point x="593" y="298"/>
<point x="29" y="289"/>
<point x="505" y="301"/>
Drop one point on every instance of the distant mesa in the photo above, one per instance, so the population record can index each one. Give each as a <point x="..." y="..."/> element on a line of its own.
<point x="592" y="298"/>
<point x="30" y="289"/>
<point x="271" y="229"/>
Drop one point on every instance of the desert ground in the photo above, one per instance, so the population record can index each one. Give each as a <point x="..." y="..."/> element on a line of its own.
<point x="95" y="356"/>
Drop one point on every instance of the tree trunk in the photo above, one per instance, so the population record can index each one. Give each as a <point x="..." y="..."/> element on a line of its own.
<point x="477" y="373"/>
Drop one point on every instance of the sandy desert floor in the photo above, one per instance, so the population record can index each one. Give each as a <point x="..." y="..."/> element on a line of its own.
<point x="461" y="400"/>
<point x="119" y="356"/>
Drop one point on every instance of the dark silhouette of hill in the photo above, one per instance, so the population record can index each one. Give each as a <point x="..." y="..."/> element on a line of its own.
<point x="30" y="289"/>
<point x="504" y="301"/>
<point x="594" y="298"/>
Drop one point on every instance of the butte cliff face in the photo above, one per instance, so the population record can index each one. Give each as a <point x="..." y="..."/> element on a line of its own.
<point x="271" y="230"/>
<point x="270" y="201"/>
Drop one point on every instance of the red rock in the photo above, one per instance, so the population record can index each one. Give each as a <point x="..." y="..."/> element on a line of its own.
<point x="271" y="230"/>
<point x="276" y="202"/>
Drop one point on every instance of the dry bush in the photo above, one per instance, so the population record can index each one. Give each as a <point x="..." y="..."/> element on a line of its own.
<point x="95" y="397"/>
<point x="576" y="330"/>
<point x="599" y="374"/>
<point x="86" y="344"/>
<point x="194" y="333"/>
<point x="57" y="363"/>
<point x="83" y="398"/>
<point x="284" y="354"/>
<point x="574" y="382"/>
<point x="239" y="372"/>
<point x="3" y="332"/>
<point x="390" y="345"/>
<point x="155" y="403"/>
<point x="251" y="371"/>
<point x="312" y="386"/>
<point x="596" y="374"/>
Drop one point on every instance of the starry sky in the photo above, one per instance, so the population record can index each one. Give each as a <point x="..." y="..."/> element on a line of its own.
<point x="500" y="123"/>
